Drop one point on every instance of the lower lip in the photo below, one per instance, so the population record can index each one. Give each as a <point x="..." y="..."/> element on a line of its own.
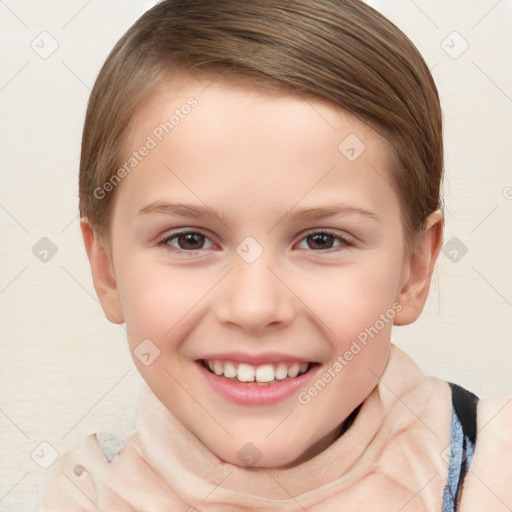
<point x="251" y="393"/>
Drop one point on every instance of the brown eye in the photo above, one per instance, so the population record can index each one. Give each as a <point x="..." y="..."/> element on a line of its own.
<point x="324" y="240"/>
<point x="190" y="241"/>
<point x="187" y="241"/>
<point x="319" y="241"/>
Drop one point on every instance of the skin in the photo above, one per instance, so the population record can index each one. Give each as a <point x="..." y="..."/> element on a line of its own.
<point x="259" y="156"/>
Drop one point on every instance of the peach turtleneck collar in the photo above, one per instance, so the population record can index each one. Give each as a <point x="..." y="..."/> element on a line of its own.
<point x="392" y="458"/>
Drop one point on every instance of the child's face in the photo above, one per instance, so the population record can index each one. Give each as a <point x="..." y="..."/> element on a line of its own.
<point x="254" y="285"/>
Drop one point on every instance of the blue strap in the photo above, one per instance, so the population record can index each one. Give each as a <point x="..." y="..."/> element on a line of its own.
<point x="462" y="450"/>
<point x="462" y="444"/>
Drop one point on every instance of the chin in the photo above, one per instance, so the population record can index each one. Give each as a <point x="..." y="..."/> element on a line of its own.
<point x="256" y="459"/>
<point x="261" y="454"/>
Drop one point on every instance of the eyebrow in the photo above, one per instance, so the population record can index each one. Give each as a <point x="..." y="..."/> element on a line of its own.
<point x="327" y="211"/>
<point x="180" y="210"/>
<point x="201" y="211"/>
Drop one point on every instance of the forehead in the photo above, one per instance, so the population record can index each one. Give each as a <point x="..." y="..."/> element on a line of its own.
<point x="237" y="102"/>
<point x="224" y="138"/>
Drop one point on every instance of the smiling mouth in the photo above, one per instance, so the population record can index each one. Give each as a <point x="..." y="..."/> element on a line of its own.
<point x="264" y="374"/>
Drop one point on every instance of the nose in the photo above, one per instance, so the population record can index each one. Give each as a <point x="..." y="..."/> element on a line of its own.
<point x="255" y="298"/>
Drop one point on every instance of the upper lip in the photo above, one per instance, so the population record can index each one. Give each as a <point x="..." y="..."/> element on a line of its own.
<point x="255" y="359"/>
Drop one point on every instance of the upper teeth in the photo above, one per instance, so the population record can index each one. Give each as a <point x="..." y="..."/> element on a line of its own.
<point x="263" y="373"/>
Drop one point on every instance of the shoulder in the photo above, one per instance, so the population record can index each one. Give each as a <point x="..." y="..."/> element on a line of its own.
<point x="494" y="430"/>
<point x="100" y="476"/>
<point x="495" y="414"/>
<point x="487" y="484"/>
<point x="70" y="486"/>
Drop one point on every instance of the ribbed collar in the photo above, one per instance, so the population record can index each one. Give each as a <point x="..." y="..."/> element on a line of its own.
<point x="198" y="476"/>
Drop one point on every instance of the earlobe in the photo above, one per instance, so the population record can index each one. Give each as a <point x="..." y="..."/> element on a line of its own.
<point x="419" y="266"/>
<point x="102" y="275"/>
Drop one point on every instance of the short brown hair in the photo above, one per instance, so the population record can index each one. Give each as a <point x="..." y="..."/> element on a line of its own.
<point x="342" y="51"/>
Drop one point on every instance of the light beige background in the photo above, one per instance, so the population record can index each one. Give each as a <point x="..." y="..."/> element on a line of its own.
<point x="66" y="372"/>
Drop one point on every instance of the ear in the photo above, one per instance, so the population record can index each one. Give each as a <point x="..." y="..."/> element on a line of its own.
<point x="102" y="275"/>
<point x="418" y="268"/>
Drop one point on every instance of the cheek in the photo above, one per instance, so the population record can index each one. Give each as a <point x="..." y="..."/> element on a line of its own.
<point x="157" y="301"/>
<point x="349" y="300"/>
<point x="155" y="297"/>
<point x="164" y="304"/>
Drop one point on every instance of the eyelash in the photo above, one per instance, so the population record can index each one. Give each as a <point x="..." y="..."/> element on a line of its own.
<point x="345" y="241"/>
